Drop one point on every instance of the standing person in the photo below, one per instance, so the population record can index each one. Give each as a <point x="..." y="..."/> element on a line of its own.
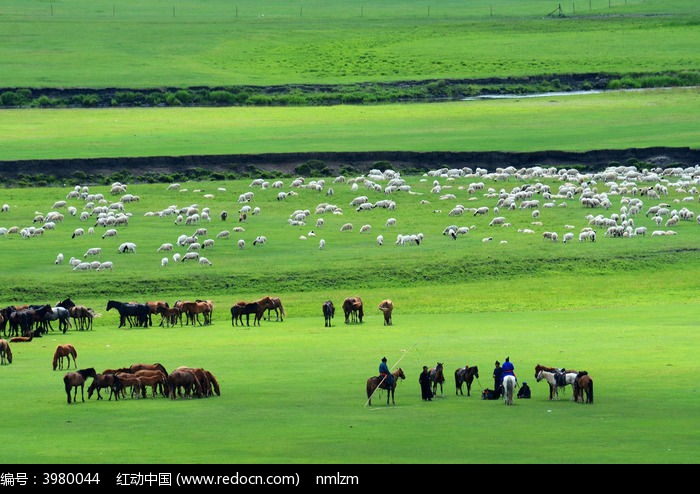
<point x="497" y="379"/>
<point x="424" y="380"/>
<point x="508" y="369"/>
<point x="385" y="374"/>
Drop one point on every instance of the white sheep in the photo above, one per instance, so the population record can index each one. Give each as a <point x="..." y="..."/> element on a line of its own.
<point x="241" y="244"/>
<point x="59" y="258"/>
<point x="260" y="240"/>
<point x="204" y="261"/>
<point x="94" y="251"/>
<point x="568" y="237"/>
<point x="177" y="256"/>
<point x="380" y="239"/>
<point x="208" y="243"/>
<point x="78" y="232"/>
<point x="164" y="247"/>
<point x="110" y="233"/>
<point x="105" y="265"/>
<point x="127" y="247"/>
<point x="365" y="228"/>
<point x="190" y="256"/>
<point x="346" y="227"/>
<point x="164" y="262"/>
<point x="321" y="244"/>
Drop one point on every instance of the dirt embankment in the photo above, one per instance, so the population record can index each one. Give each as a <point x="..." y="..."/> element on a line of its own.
<point x="288" y="163"/>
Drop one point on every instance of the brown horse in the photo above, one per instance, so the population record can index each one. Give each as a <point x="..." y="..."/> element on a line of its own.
<point x="74" y="380"/>
<point x="375" y="382"/>
<point x="273" y="303"/>
<point x="583" y="384"/>
<point x="192" y="310"/>
<point x="241" y="309"/>
<point x="437" y="376"/>
<point x="5" y="352"/>
<point x="185" y="382"/>
<point x="104" y="381"/>
<point x="64" y="351"/>
<point x="352" y="306"/>
<point x="387" y="307"/>
<point x="155" y="307"/>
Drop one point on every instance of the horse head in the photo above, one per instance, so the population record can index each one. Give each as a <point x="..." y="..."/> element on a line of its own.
<point x="400" y="374"/>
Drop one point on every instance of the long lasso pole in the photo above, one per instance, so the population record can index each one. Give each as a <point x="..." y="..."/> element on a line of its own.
<point x="384" y="378"/>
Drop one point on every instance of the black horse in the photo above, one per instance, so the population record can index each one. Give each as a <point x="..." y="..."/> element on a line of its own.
<point x="465" y="375"/>
<point x="135" y="314"/>
<point x="328" y="312"/>
<point x="246" y="309"/>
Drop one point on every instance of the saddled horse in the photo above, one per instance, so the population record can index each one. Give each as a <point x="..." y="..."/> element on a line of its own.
<point x="437" y="376"/>
<point x="134" y="313"/>
<point x="554" y="370"/>
<point x="273" y="303"/>
<point x="352" y="306"/>
<point x="328" y="312"/>
<point x="5" y="352"/>
<point x="508" y="389"/>
<point x="375" y="382"/>
<point x="74" y="380"/>
<point x="556" y="381"/>
<point x="64" y="351"/>
<point x="583" y="384"/>
<point x="465" y="375"/>
<point x="387" y="307"/>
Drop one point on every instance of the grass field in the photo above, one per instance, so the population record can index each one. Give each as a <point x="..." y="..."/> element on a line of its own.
<point x="293" y="391"/>
<point x="132" y="44"/>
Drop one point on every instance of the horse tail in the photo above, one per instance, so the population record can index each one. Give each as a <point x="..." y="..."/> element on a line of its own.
<point x="282" y="309"/>
<point x="590" y="391"/>
<point x="8" y="354"/>
<point x="214" y="383"/>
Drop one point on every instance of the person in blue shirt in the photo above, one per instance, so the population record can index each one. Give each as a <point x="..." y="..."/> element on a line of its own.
<point x="385" y="374"/>
<point x="508" y="369"/>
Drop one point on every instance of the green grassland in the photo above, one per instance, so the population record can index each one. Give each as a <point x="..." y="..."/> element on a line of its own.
<point x="135" y="44"/>
<point x="624" y="309"/>
<point x="615" y="120"/>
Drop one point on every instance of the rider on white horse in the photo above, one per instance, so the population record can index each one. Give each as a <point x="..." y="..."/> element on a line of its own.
<point x="508" y="369"/>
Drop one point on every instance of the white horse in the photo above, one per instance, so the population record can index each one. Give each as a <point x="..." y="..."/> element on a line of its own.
<point x="554" y="384"/>
<point x="508" y="389"/>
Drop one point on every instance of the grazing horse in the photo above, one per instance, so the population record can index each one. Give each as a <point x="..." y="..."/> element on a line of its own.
<point x="328" y="312"/>
<point x="104" y="381"/>
<point x="352" y="306"/>
<point x="437" y="376"/>
<point x="387" y="307"/>
<point x="583" y="383"/>
<point x="465" y="375"/>
<point x="64" y="351"/>
<point x="127" y="311"/>
<point x="184" y="381"/>
<point x="273" y="303"/>
<point x="5" y="352"/>
<point x="375" y="382"/>
<point x="75" y="380"/>
<point x="556" y="381"/>
<point x="508" y="387"/>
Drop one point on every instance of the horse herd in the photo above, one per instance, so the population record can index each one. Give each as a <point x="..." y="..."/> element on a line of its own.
<point x="136" y="380"/>
<point x="580" y="381"/>
<point x="27" y="321"/>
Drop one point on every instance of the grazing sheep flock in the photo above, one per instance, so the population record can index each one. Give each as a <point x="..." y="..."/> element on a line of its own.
<point x="620" y="202"/>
